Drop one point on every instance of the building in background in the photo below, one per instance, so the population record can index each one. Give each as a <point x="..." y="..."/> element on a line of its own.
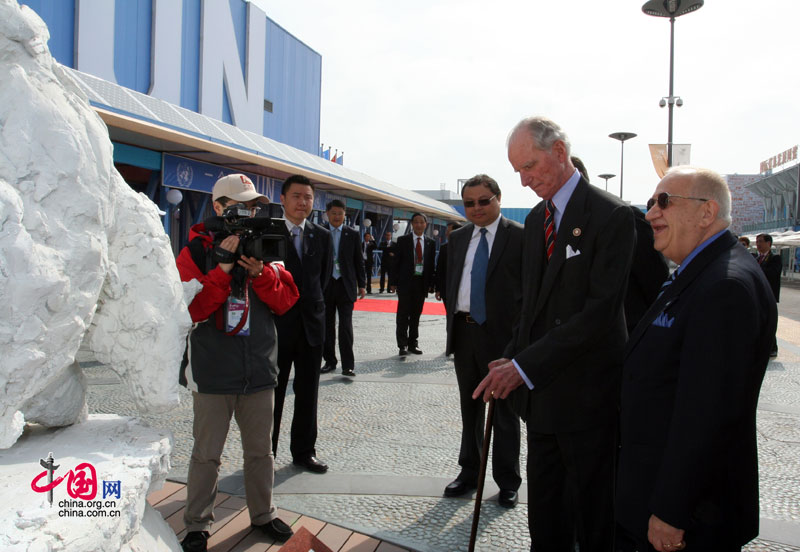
<point x="747" y="207"/>
<point x="192" y="90"/>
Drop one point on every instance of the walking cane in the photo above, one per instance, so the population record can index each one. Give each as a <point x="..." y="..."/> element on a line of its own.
<point x="487" y="437"/>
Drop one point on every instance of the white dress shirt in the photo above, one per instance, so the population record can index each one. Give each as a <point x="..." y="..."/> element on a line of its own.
<point x="465" y="286"/>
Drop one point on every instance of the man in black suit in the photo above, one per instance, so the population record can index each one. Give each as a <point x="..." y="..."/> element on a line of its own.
<point x="688" y="466"/>
<point x="340" y="295"/>
<point x="386" y="248"/>
<point x="483" y="302"/>
<point x="301" y="331"/>
<point x="412" y="275"/>
<point x="772" y="266"/>
<point x="648" y="269"/>
<point x="565" y="356"/>
<point x="368" y="248"/>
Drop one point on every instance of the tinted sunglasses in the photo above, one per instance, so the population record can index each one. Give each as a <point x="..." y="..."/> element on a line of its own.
<point x="663" y="200"/>
<point x="469" y="204"/>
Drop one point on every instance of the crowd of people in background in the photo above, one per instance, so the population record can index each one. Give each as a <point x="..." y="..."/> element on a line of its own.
<point x="638" y="384"/>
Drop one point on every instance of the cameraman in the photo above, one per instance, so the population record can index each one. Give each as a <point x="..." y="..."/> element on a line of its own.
<point x="231" y="363"/>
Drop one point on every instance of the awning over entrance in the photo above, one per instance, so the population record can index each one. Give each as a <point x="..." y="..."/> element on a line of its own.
<point x="779" y="191"/>
<point x="141" y="120"/>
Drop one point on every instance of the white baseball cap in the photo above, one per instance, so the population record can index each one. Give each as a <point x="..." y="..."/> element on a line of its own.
<point x="236" y="187"/>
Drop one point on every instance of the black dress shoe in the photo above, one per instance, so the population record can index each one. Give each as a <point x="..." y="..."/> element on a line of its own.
<point x="311" y="463"/>
<point x="327" y="368"/>
<point x="414" y="350"/>
<point x="458" y="488"/>
<point x="403" y="351"/>
<point x="350" y="373"/>
<point x="195" y="541"/>
<point x="507" y="498"/>
<point x="276" y="529"/>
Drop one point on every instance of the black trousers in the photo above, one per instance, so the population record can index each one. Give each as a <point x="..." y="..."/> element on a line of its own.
<point x="571" y="489"/>
<point x="368" y="272"/>
<point x="384" y="272"/>
<point x="471" y="355"/>
<point x="410" y="300"/>
<point x="306" y="360"/>
<point x="336" y="300"/>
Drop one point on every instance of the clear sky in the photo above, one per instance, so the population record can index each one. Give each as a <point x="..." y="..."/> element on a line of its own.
<point x="424" y="92"/>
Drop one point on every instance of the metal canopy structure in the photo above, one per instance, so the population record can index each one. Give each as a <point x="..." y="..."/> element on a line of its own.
<point x="779" y="192"/>
<point x="140" y="120"/>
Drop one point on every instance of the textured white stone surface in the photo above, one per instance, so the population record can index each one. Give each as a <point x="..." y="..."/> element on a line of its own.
<point x="120" y="449"/>
<point x="82" y="256"/>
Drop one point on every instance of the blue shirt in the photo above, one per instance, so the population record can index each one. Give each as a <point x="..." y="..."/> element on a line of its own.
<point x="562" y="196"/>
<point x="696" y="251"/>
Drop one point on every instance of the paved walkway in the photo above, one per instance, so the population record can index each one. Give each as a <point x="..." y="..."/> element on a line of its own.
<point x="391" y="437"/>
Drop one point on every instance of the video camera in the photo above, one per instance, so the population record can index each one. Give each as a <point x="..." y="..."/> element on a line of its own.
<point x="262" y="237"/>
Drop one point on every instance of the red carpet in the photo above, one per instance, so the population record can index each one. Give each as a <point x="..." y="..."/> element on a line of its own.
<point x="390" y="305"/>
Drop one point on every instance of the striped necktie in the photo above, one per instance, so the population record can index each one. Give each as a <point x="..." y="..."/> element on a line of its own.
<point x="549" y="227"/>
<point x="668" y="282"/>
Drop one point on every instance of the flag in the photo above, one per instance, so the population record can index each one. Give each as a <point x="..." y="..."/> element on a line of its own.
<point x="340" y="159"/>
<point x="681" y="155"/>
<point x="327" y="153"/>
<point x="334" y="156"/>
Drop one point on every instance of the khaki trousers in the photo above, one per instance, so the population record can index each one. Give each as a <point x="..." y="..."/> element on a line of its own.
<point x="212" y="418"/>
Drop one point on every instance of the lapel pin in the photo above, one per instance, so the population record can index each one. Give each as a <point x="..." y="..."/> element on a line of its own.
<point x="576" y="232"/>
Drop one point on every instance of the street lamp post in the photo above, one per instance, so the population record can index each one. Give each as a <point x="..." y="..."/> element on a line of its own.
<point x="671" y="9"/>
<point x="606" y="177"/>
<point x="621" y="136"/>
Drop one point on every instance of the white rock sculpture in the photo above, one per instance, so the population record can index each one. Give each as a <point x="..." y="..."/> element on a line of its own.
<point x="83" y="258"/>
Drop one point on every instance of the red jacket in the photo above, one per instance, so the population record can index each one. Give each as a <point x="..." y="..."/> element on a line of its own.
<point x="232" y="364"/>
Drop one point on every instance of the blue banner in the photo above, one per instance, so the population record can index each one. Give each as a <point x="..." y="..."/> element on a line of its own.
<point x="188" y="174"/>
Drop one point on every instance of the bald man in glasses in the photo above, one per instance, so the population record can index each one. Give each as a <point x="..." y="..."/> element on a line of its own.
<point x="688" y="470"/>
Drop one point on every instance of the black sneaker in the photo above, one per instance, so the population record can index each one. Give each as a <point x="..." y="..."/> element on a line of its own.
<point x="195" y="541"/>
<point x="276" y="529"/>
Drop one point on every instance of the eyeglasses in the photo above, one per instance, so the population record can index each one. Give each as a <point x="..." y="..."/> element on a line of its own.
<point x="663" y="200"/>
<point x="469" y="204"/>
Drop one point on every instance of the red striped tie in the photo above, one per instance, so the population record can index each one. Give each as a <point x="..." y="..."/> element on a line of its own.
<point x="549" y="227"/>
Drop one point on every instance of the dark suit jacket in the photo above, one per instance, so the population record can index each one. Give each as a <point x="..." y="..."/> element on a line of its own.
<point x="403" y="267"/>
<point x="440" y="280"/>
<point x="311" y="276"/>
<point x="503" y="281"/>
<point x="692" y="374"/>
<point x="371" y="247"/>
<point x="571" y="333"/>
<point x="387" y="250"/>
<point x="648" y="272"/>
<point x="351" y="262"/>
<point x="772" y="267"/>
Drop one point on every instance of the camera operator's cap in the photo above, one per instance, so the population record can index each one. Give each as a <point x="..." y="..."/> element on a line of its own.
<point x="235" y="186"/>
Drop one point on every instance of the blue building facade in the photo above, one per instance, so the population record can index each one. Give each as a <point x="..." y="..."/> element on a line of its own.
<point x="222" y="58"/>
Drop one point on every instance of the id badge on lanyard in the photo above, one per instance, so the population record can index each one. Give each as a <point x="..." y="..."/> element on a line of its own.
<point x="235" y="309"/>
<point x="418" y="269"/>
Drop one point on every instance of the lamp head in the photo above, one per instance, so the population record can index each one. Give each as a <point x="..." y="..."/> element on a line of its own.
<point x="671" y="8"/>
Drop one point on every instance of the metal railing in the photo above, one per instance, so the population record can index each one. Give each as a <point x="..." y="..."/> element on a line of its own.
<point x="769" y="225"/>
